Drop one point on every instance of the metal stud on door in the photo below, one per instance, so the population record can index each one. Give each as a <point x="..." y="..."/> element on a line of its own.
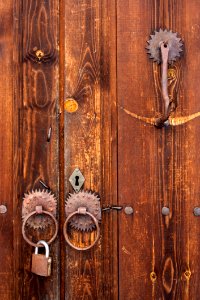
<point x="41" y="264"/>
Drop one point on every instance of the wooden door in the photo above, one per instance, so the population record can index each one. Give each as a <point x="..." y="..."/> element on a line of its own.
<point x="94" y="52"/>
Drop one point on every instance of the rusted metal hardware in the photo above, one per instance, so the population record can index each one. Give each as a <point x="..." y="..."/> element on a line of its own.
<point x="49" y="134"/>
<point x="165" y="211"/>
<point x="165" y="47"/>
<point x="83" y="213"/>
<point x="128" y="210"/>
<point x="37" y="207"/>
<point x="35" y="213"/>
<point x="44" y="184"/>
<point x="41" y="264"/>
<point x="39" y="198"/>
<point x="77" y="180"/>
<point x="165" y="52"/>
<point x="3" y="209"/>
<point x="70" y="105"/>
<point x="78" y="213"/>
<point x="39" y="54"/>
<point x="86" y="199"/>
<point x="115" y="207"/>
<point x="196" y="211"/>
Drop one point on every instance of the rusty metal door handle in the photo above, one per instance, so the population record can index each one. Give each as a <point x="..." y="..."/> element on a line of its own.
<point x="37" y="207"/>
<point x="25" y="223"/>
<point x="164" y="53"/>
<point x="81" y="211"/>
<point x="165" y="48"/>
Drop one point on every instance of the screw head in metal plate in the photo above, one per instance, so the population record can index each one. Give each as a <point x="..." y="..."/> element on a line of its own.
<point x="3" y="209"/>
<point x="165" y="211"/>
<point x="128" y="210"/>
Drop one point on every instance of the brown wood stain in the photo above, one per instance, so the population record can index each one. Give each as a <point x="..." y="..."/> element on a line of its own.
<point x="93" y="51"/>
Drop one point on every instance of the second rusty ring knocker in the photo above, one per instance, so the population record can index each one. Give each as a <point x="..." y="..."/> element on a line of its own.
<point x="83" y="213"/>
<point x="165" y="47"/>
<point x="40" y="205"/>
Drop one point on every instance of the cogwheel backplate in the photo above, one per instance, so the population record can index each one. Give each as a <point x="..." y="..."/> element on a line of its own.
<point x="83" y="199"/>
<point x="168" y="37"/>
<point x="39" y="198"/>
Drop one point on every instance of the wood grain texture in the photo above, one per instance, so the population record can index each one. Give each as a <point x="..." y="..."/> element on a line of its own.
<point x="158" y="255"/>
<point x="6" y="150"/>
<point x="88" y="139"/>
<point x="40" y="112"/>
<point x="17" y="150"/>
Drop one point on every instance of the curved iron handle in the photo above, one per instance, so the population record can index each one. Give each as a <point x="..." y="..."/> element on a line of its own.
<point x="36" y="213"/>
<point x="81" y="210"/>
<point x="165" y="52"/>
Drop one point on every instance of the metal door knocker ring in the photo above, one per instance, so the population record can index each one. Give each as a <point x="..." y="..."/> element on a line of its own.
<point x="41" y="205"/>
<point x="36" y="213"/>
<point x="81" y="211"/>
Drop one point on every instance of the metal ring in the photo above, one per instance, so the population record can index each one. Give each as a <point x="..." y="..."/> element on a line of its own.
<point x="66" y="235"/>
<point x="30" y="215"/>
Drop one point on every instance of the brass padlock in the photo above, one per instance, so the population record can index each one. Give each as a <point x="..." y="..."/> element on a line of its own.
<point x="41" y="264"/>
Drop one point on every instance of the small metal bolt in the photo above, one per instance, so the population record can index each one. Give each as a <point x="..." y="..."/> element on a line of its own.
<point x="196" y="211"/>
<point x="166" y="123"/>
<point x="165" y="211"/>
<point x="153" y="276"/>
<point x="128" y="210"/>
<point x="71" y="105"/>
<point x="3" y="209"/>
<point x="49" y="134"/>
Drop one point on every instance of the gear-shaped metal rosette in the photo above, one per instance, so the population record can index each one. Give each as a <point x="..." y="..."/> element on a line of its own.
<point x="39" y="198"/>
<point x="91" y="202"/>
<point x="168" y="38"/>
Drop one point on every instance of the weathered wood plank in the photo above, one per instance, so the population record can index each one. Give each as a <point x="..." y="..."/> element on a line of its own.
<point x="17" y="150"/>
<point x="6" y="150"/>
<point x="82" y="132"/>
<point x="40" y="112"/>
<point x="159" y="167"/>
<point x="90" y="138"/>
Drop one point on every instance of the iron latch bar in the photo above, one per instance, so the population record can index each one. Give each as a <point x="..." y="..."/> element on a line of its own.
<point x="109" y="208"/>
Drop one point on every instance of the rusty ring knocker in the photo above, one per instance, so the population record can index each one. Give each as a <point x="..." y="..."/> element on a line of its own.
<point x="83" y="211"/>
<point x="36" y="213"/>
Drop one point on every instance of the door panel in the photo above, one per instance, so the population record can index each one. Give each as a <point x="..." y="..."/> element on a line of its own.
<point x="157" y="167"/>
<point x="94" y="52"/>
<point x="87" y="134"/>
<point x="6" y="150"/>
<point x="40" y="111"/>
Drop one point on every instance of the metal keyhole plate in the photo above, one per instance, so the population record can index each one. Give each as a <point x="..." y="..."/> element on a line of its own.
<point x="77" y="180"/>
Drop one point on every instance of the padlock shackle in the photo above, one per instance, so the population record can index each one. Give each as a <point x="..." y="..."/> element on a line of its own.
<point x="41" y="242"/>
